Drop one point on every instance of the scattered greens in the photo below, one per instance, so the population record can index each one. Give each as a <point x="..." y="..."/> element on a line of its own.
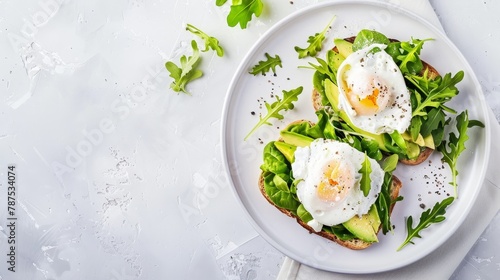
<point x="428" y="217"/>
<point x="242" y="11"/>
<point x="220" y="2"/>
<point x="210" y="42"/>
<point x="265" y="66"/>
<point x="406" y="55"/>
<point x="273" y="110"/>
<point x="365" y="171"/>
<point x="433" y="93"/>
<point x="187" y="72"/>
<point x="456" y="145"/>
<point x="315" y="43"/>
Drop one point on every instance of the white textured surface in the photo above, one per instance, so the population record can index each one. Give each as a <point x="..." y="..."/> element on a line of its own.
<point x="118" y="176"/>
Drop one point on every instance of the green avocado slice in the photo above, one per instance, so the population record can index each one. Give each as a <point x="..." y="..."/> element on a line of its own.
<point x="366" y="226"/>
<point x="286" y="149"/>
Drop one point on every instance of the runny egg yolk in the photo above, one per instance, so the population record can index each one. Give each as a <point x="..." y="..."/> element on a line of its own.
<point x="367" y="96"/>
<point x="337" y="181"/>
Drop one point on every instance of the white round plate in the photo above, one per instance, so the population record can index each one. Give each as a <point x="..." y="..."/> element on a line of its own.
<point x="423" y="185"/>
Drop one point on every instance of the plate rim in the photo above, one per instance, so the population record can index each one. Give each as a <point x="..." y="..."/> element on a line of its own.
<point x="240" y="70"/>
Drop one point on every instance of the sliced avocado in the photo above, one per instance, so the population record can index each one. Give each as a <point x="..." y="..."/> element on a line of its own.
<point x="366" y="226"/>
<point x="295" y="139"/>
<point x="335" y="59"/>
<point x="419" y="141"/>
<point x="286" y="149"/>
<point x="332" y="94"/>
<point x="429" y="142"/>
<point x="344" y="47"/>
<point x="412" y="150"/>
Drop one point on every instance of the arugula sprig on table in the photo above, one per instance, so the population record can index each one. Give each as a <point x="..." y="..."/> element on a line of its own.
<point x="242" y="11"/>
<point x="187" y="72"/>
<point x="267" y="65"/>
<point x="210" y="42"/>
<point x="273" y="110"/>
<point x="427" y="218"/>
<point x="456" y="145"/>
<point x="315" y="43"/>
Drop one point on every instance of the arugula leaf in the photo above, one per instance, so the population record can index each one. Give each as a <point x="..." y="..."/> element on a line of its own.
<point x="323" y="128"/>
<point x="456" y="145"/>
<point x="265" y="66"/>
<point x="365" y="182"/>
<point x="325" y="69"/>
<point x="433" y="93"/>
<point x="210" y="42"/>
<point x="273" y="110"/>
<point x="315" y="43"/>
<point x="242" y="11"/>
<point x="220" y="2"/>
<point x="435" y="119"/>
<point x="187" y="72"/>
<point x="428" y="217"/>
<point x="367" y="37"/>
<point x="340" y="231"/>
<point x="409" y="59"/>
<point x="371" y="148"/>
<point x="415" y="126"/>
<point x="406" y="55"/>
<point x="384" y="203"/>
<point x="389" y="164"/>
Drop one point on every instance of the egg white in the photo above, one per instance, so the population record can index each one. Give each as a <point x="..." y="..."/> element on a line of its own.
<point x="308" y="167"/>
<point x="362" y="72"/>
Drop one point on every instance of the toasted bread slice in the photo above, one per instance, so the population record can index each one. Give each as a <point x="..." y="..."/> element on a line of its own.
<point x="354" y="244"/>
<point x="432" y="73"/>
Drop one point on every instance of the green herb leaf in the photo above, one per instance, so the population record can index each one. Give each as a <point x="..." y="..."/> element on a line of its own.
<point x="282" y="198"/>
<point x="273" y="110"/>
<point x="325" y="69"/>
<point x="280" y="183"/>
<point x="303" y="214"/>
<point x="473" y="123"/>
<point x="367" y="37"/>
<point x="433" y="93"/>
<point x="242" y="11"/>
<point x="274" y="160"/>
<point x="435" y="120"/>
<point x="456" y="145"/>
<point x="187" y="72"/>
<point x="340" y="231"/>
<point x="210" y="42"/>
<point x="409" y="59"/>
<point x="384" y="203"/>
<point x="415" y="125"/>
<point x="365" y="171"/>
<point x="265" y="66"/>
<point x="315" y="43"/>
<point x="390" y="163"/>
<point x="220" y="2"/>
<point x="428" y="217"/>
